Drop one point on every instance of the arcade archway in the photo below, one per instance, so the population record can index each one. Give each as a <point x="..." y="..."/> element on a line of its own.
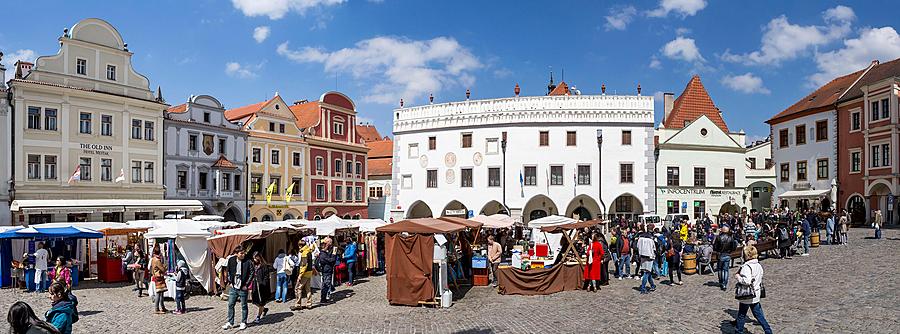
<point x="626" y="205"/>
<point x="492" y="208"/>
<point x="455" y="209"/>
<point x="419" y="210"/>
<point x="538" y="206"/>
<point x="583" y="207"/>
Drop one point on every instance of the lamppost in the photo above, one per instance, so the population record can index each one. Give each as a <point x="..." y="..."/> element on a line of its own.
<point x="600" y="171"/>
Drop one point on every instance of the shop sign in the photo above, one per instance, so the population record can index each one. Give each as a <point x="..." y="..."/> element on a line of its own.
<point x="700" y="192"/>
<point x="96" y="149"/>
<point x="451" y="212"/>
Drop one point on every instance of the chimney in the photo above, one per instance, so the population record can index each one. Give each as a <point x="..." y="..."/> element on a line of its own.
<point x="23" y="68"/>
<point x="300" y="101"/>
<point x="668" y="104"/>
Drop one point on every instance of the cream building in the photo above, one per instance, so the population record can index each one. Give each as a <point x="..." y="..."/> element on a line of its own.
<point x="88" y="145"/>
<point x="277" y="158"/>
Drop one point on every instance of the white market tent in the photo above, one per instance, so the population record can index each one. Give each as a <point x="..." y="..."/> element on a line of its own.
<point x="325" y="227"/>
<point x="190" y="238"/>
<point x="495" y="221"/>
<point x="367" y="225"/>
<point x="552" y="239"/>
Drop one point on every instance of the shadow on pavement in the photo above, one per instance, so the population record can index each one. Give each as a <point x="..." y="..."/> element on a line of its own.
<point x="475" y="331"/>
<point x="198" y="309"/>
<point x="88" y="313"/>
<point x="275" y="318"/>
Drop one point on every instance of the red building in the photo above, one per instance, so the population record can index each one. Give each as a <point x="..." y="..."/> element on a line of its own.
<point x="337" y="156"/>
<point x="868" y="141"/>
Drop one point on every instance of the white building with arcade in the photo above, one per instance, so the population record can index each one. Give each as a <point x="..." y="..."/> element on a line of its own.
<point x="561" y="154"/>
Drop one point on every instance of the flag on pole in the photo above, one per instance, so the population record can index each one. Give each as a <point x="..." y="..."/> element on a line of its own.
<point x="289" y="193"/>
<point x="121" y="177"/>
<point x="77" y="175"/>
<point x="269" y="191"/>
<point x="521" y="179"/>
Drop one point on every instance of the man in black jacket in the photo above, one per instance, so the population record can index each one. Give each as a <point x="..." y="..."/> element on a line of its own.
<point x="724" y="244"/>
<point x="325" y="265"/>
<point x="240" y="271"/>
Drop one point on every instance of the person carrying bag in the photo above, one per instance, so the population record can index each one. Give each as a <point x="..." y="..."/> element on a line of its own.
<point x="749" y="290"/>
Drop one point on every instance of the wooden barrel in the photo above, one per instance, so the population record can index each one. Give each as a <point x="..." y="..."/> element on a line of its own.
<point x="814" y="240"/>
<point x="690" y="263"/>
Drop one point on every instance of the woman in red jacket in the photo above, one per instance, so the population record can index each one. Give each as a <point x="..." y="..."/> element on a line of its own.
<point x="593" y="269"/>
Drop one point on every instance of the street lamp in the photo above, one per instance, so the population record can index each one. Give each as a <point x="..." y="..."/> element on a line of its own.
<point x="600" y="171"/>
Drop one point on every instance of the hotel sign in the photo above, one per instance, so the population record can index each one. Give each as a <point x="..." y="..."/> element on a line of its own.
<point x="96" y="149"/>
<point x="700" y="191"/>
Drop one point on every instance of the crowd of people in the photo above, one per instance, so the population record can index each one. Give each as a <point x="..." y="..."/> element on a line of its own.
<point x="635" y="250"/>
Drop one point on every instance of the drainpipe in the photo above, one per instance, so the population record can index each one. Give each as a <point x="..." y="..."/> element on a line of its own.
<point x="503" y="147"/>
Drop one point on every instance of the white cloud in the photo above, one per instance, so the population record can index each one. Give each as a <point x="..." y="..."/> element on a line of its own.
<point x="682" y="31"/>
<point x="655" y="63"/>
<point x="684" y="8"/>
<point x="873" y="43"/>
<point x="746" y="83"/>
<point x="277" y="9"/>
<point x="261" y="33"/>
<point x="619" y="17"/>
<point x="397" y="67"/>
<point x="502" y="73"/>
<point x="783" y="40"/>
<point x="682" y="48"/>
<point x="9" y="60"/>
<point x="243" y="71"/>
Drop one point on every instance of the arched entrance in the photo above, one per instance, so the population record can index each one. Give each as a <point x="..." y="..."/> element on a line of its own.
<point x="538" y="206"/>
<point x="419" y="210"/>
<point x="455" y="209"/>
<point x="267" y="218"/>
<point x="287" y="216"/>
<point x="760" y="195"/>
<point x="583" y="207"/>
<point x="626" y="205"/>
<point x="730" y="208"/>
<point x="492" y="208"/>
<point x="346" y="216"/>
<point x="856" y="208"/>
<point x="878" y="200"/>
<point x="233" y="215"/>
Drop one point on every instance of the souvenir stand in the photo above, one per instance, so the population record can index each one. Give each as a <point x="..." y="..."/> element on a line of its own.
<point x="462" y="250"/>
<point x="337" y="229"/>
<point x="274" y="235"/>
<point x="414" y="250"/>
<point x="369" y="259"/>
<point x="479" y="262"/>
<point x="183" y="239"/>
<point x="567" y="275"/>
<point x="63" y="241"/>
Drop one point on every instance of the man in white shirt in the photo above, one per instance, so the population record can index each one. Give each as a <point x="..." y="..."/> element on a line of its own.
<point x="40" y="267"/>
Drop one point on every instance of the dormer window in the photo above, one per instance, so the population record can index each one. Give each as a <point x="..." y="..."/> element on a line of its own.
<point x="81" y="66"/>
<point x="111" y="72"/>
<point x="338" y="127"/>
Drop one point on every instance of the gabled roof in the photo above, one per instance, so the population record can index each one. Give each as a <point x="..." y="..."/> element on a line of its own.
<point x="381" y="149"/>
<point x="178" y="109"/>
<point x="877" y="73"/>
<point x="823" y="96"/>
<point x="223" y="163"/>
<point x="241" y="112"/>
<point x="694" y="102"/>
<point x="562" y="89"/>
<point x="307" y="114"/>
<point x="368" y="132"/>
<point x="380" y="166"/>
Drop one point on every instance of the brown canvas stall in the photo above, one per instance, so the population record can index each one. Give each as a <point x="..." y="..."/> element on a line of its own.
<point x="409" y="253"/>
<point x="562" y="277"/>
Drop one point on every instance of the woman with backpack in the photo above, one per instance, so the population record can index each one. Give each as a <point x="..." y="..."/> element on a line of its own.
<point x="750" y="275"/>
<point x="182" y="274"/>
<point x="784" y="240"/>
<point x="284" y="267"/>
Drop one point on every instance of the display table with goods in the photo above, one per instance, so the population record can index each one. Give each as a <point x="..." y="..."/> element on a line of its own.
<point x="537" y="274"/>
<point x="109" y="268"/>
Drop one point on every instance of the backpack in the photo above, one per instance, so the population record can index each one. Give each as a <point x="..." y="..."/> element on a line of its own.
<point x="288" y="265"/>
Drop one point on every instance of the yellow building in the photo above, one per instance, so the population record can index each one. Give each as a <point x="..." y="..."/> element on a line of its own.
<point x="277" y="168"/>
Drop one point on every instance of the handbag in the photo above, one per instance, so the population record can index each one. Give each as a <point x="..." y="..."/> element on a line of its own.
<point x="745" y="291"/>
<point x="762" y="290"/>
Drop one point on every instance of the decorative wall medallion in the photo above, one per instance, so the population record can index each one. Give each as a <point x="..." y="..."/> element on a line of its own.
<point x="423" y="161"/>
<point x="450" y="160"/>
<point x="450" y="176"/>
<point x="477" y="159"/>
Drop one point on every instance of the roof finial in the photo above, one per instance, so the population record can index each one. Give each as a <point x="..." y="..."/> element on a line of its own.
<point x="401" y="103"/>
<point x="276" y="93"/>
<point x="65" y="32"/>
<point x="639" y="89"/>
<point x="468" y="94"/>
<point x="159" y="96"/>
<point x="551" y="86"/>
<point x="603" y="89"/>
<point x="430" y="98"/>
<point x="517" y="90"/>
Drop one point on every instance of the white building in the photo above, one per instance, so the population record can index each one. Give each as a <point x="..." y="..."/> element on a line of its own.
<point x="702" y="166"/>
<point x="205" y="158"/>
<point x="528" y="156"/>
<point x="803" y="151"/>
<point x="5" y="136"/>
<point x="760" y="175"/>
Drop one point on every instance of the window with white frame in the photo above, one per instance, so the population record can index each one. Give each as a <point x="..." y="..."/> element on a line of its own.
<point x="338" y="166"/>
<point x="556" y="175"/>
<point x="338" y="126"/>
<point x="297" y="159"/>
<point x="81" y="66"/>
<point x="85" y="164"/>
<point x="84" y="123"/>
<point x="148" y="172"/>
<point x="105" y="169"/>
<point x="431" y="180"/>
<point x="34" y="167"/>
<point x="873" y="108"/>
<point x="530" y="177"/>
<point x="149" y="134"/>
<point x="376" y="191"/>
<point x="136" y="171"/>
<point x="358" y="169"/>
<point x="320" y="164"/>
<point x="137" y="128"/>
<point x="494" y="177"/>
<point x="111" y="72"/>
<point x="855" y="161"/>
<point x="338" y="193"/>
<point x="320" y="192"/>
<point x="106" y="125"/>
<point x="276" y="157"/>
<point x="256" y="155"/>
<point x="855" y="121"/>
<point x="584" y="175"/>
<point x="34" y="118"/>
<point x="50" y="119"/>
<point x="358" y="194"/>
<point x="50" y="167"/>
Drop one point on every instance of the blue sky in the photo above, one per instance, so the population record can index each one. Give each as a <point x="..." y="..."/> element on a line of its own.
<point x="755" y="57"/>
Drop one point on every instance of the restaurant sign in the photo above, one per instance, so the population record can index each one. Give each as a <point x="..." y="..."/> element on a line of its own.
<point x="701" y="192"/>
<point x="96" y="149"/>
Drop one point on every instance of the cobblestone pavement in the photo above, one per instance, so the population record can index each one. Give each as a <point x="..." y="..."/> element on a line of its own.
<point x="838" y="289"/>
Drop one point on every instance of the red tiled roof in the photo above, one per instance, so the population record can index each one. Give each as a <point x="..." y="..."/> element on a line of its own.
<point x="241" y="112"/>
<point x="694" y="102"/>
<point x="381" y="149"/>
<point x="562" y="89"/>
<point x="224" y="163"/>
<point x="824" y="96"/>
<point x="380" y="166"/>
<point x="368" y="132"/>
<point x="879" y="72"/>
<point x="178" y="109"/>
<point x="307" y="114"/>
